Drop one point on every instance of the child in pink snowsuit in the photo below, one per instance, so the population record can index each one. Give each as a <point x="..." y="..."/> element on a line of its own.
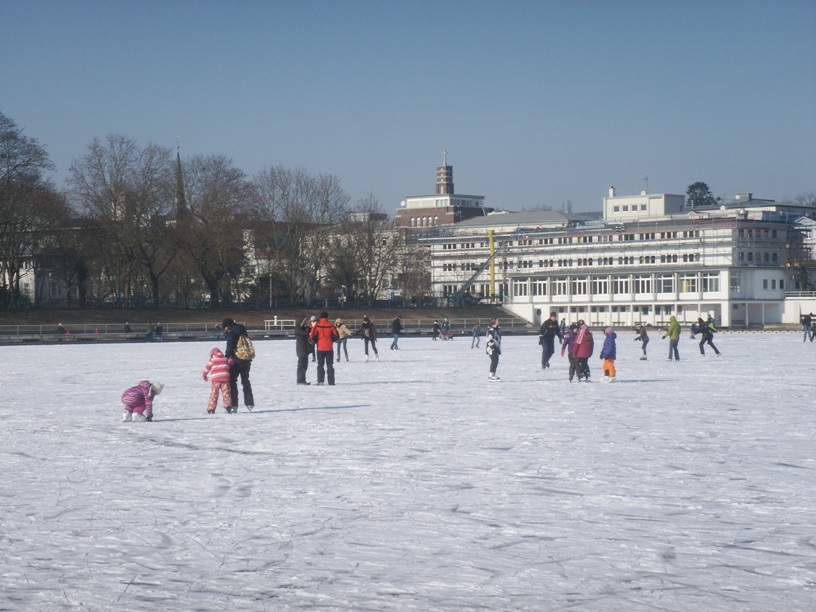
<point x="218" y="369"/>
<point x="138" y="401"/>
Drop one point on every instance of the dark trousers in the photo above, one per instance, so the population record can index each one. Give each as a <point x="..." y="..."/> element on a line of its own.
<point x="325" y="365"/>
<point x="573" y="365"/>
<point x="494" y="362"/>
<point x="583" y="367"/>
<point x="303" y="365"/>
<point x="373" y="345"/>
<point x="709" y="343"/>
<point x="342" y="344"/>
<point x="241" y="368"/>
<point x="547" y="350"/>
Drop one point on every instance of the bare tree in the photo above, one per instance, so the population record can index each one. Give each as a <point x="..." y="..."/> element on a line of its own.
<point x="128" y="190"/>
<point x="299" y="211"/>
<point x="212" y="235"/>
<point x="30" y="208"/>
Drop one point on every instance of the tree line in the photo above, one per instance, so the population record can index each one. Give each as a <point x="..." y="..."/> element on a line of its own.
<point x="134" y="226"/>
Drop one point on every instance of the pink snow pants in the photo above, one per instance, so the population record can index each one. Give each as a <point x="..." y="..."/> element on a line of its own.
<point x="224" y="389"/>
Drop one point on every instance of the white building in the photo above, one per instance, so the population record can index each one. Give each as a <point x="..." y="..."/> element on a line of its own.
<point x="646" y="258"/>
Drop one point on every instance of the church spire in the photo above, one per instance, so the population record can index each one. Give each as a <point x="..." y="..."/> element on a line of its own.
<point x="179" y="201"/>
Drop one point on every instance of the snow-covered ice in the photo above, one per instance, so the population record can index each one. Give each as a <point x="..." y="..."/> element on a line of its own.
<point x="414" y="483"/>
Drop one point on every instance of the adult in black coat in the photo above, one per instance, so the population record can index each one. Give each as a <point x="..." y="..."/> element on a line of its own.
<point x="550" y="330"/>
<point x="238" y="367"/>
<point x="303" y="349"/>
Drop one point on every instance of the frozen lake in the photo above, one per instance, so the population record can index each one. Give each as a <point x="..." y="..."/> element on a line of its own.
<point x="414" y="483"/>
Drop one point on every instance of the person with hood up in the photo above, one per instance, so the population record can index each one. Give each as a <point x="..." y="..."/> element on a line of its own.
<point x="324" y="335"/>
<point x="343" y="333"/>
<point x="238" y="367"/>
<point x="608" y="354"/>
<point x="568" y="346"/>
<point x="218" y="371"/>
<point x="303" y="349"/>
<point x="138" y="401"/>
<point x="673" y="333"/>
<point x="584" y="347"/>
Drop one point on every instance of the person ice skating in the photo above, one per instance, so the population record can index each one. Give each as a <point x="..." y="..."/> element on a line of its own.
<point x="493" y="346"/>
<point x="476" y="335"/>
<point x="708" y="336"/>
<point x="324" y="335"/>
<point x="218" y="372"/>
<point x="127" y="328"/>
<point x="396" y="330"/>
<point x="444" y="330"/>
<point x="640" y="334"/>
<point x="568" y="346"/>
<point x="138" y="401"/>
<point x="673" y="334"/>
<point x="61" y="330"/>
<point x="583" y="349"/>
<point x="435" y="330"/>
<point x="609" y="354"/>
<point x="343" y="333"/>
<point x="369" y="333"/>
<point x="239" y="367"/>
<point x="303" y="349"/>
<point x="550" y="330"/>
<point x="159" y="331"/>
<point x="807" y="323"/>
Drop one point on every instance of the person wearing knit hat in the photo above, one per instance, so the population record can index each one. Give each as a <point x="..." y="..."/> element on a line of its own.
<point x="138" y="401"/>
<point x="608" y="354"/>
<point x="344" y="333"/>
<point x="369" y="333"/>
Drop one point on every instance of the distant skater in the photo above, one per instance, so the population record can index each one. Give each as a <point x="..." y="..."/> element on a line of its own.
<point x="396" y="330"/>
<point x="673" y="334"/>
<point x="324" y="335"/>
<point x="218" y="371"/>
<point x="369" y="333"/>
<point x="707" y="334"/>
<point x="807" y="323"/>
<point x="609" y="354"/>
<point x="493" y="346"/>
<point x="568" y="346"/>
<point x="640" y="334"/>
<point x="584" y="347"/>
<point x="476" y="335"/>
<point x="550" y="330"/>
<point x="343" y="334"/>
<point x="303" y="349"/>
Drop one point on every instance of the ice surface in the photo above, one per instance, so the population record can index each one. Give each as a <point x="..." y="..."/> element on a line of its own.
<point x="414" y="483"/>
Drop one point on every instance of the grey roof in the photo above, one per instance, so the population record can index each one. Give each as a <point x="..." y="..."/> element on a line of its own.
<point x="528" y="219"/>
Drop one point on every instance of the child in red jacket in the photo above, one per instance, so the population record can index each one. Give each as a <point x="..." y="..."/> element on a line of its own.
<point x="218" y="369"/>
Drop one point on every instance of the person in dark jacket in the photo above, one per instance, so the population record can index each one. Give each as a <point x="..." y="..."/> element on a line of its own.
<point x="303" y="349"/>
<point x="568" y="346"/>
<point x="324" y="335"/>
<point x="705" y="330"/>
<point x="493" y="347"/>
<point x="640" y="334"/>
<point x="609" y="352"/>
<point x="550" y="330"/>
<point x="396" y="330"/>
<point x="435" y="330"/>
<point x="238" y="367"/>
<point x="369" y="334"/>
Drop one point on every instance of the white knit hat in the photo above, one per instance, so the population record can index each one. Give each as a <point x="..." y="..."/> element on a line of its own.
<point x="156" y="388"/>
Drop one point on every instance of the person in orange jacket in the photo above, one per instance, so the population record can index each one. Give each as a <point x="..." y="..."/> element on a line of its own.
<point x="324" y="335"/>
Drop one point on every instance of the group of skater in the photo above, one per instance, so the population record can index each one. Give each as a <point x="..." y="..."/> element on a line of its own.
<point x="316" y="338"/>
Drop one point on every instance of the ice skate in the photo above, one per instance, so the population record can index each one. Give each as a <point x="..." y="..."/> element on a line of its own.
<point x="365" y="358"/>
<point x="126" y="417"/>
<point x="138" y="418"/>
<point x="493" y="377"/>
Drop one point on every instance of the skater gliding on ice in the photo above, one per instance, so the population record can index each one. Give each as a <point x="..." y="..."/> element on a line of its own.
<point x="640" y="334"/>
<point x="493" y="346"/>
<point x="550" y="330"/>
<point x="608" y="354"/>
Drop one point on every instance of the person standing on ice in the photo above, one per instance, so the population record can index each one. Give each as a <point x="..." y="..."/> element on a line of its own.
<point x="435" y="330"/>
<point x="708" y="335"/>
<point x="138" y="401"/>
<point x="568" y="346"/>
<point x="493" y="346"/>
<point x="343" y="333"/>
<point x="673" y="333"/>
<point x="584" y="347"/>
<point x="807" y="322"/>
<point x="303" y="348"/>
<point x="369" y="333"/>
<point x="476" y="335"/>
<point x="396" y="330"/>
<point x="550" y="330"/>
<point x="640" y="334"/>
<point x="218" y="371"/>
<point x="609" y="354"/>
<point x="324" y="335"/>
<point x="239" y="367"/>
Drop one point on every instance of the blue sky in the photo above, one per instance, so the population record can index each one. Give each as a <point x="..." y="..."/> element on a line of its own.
<point x="536" y="102"/>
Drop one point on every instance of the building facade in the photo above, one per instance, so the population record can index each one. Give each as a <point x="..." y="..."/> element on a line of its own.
<point x="643" y="260"/>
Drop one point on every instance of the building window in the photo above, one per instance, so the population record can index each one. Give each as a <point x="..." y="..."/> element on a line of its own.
<point x="688" y="283"/>
<point x="736" y="282"/>
<point x="764" y="283"/>
<point x="710" y="282"/>
<point x="665" y="284"/>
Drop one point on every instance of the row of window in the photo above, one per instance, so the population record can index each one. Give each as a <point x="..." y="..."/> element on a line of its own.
<point x="619" y="285"/>
<point x="424" y="221"/>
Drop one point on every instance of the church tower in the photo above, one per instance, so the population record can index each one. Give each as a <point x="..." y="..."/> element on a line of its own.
<point x="444" y="176"/>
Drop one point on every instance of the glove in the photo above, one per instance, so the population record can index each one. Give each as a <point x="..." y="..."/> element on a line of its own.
<point x="664" y="337"/>
<point x="204" y="376"/>
<point x="230" y="362"/>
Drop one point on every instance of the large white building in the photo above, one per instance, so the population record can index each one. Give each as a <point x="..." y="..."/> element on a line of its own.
<point x="644" y="259"/>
